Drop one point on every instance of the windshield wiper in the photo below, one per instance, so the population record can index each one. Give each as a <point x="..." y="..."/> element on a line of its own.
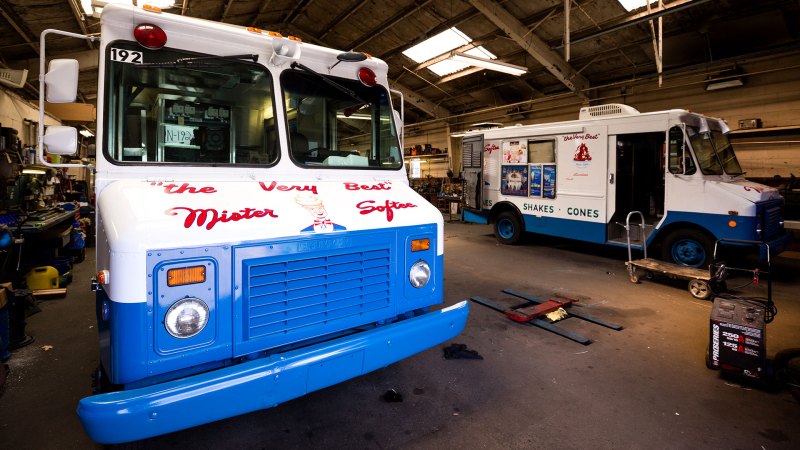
<point x="199" y="61"/>
<point x="329" y="81"/>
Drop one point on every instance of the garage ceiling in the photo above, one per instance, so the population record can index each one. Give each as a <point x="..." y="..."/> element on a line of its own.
<point x="607" y="44"/>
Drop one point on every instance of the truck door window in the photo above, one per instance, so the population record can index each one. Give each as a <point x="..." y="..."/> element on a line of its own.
<point x="680" y="159"/>
<point x="167" y="111"/>
<point x="714" y="152"/>
<point x="330" y="128"/>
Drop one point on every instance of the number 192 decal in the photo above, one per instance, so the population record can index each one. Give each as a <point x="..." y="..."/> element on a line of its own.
<point x="126" y="56"/>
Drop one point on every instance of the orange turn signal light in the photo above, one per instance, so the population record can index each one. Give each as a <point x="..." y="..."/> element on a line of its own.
<point x="732" y="224"/>
<point x="418" y="245"/>
<point x="151" y="8"/>
<point x="103" y="277"/>
<point x="186" y="275"/>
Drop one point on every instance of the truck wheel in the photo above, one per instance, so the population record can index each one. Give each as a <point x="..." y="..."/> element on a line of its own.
<point x="689" y="248"/>
<point x="508" y="228"/>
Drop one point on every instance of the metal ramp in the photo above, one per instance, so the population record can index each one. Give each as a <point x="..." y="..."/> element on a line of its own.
<point x="532" y="311"/>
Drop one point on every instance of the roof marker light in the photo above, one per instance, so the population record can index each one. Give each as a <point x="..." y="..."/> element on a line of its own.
<point x="151" y="8"/>
<point x="254" y="30"/>
<point x="295" y="38"/>
<point x="274" y="34"/>
<point x="150" y="36"/>
<point x="367" y="77"/>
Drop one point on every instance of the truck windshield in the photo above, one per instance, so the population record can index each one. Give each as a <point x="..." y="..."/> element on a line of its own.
<point x="714" y="152"/>
<point x="173" y="107"/>
<point x="331" y="127"/>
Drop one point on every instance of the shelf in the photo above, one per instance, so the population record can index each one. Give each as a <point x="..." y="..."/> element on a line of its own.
<point x="437" y="156"/>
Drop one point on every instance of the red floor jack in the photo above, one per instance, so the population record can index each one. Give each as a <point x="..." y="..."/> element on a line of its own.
<point x="534" y="308"/>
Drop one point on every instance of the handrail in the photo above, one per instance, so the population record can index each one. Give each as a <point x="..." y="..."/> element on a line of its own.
<point x="628" y="233"/>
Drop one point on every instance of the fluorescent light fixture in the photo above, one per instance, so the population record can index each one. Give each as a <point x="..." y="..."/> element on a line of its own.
<point x="86" y="133"/>
<point x="487" y="63"/>
<point x="724" y="84"/>
<point x="34" y="171"/>
<point x="630" y="5"/>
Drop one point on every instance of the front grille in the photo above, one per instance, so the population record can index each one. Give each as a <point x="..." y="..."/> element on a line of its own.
<point x="772" y="216"/>
<point x="293" y="299"/>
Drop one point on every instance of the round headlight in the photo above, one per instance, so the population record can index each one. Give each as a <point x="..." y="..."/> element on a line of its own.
<point x="186" y="317"/>
<point x="419" y="274"/>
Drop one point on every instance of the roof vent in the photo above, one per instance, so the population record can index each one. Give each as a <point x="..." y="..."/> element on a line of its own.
<point x="611" y="110"/>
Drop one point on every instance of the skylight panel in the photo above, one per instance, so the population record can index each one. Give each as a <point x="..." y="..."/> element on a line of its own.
<point x="443" y="42"/>
<point x="630" y="5"/>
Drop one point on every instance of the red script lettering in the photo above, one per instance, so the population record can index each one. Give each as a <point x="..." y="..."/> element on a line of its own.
<point x="212" y="216"/>
<point x="368" y="206"/>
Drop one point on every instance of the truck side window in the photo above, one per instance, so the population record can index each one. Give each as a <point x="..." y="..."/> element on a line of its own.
<point x="680" y="160"/>
<point x="541" y="152"/>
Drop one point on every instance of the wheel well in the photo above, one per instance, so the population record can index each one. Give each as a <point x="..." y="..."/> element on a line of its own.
<point x="502" y="207"/>
<point x="667" y="230"/>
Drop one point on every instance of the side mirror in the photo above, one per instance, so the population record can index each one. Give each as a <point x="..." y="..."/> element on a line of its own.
<point x="62" y="81"/>
<point x="60" y="140"/>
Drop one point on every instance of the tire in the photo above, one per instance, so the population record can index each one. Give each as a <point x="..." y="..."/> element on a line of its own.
<point x="508" y="228"/>
<point x="690" y="248"/>
<point x="700" y="289"/>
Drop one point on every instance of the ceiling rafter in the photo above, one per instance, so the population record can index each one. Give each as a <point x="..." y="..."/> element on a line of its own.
<point x="18" y="25"/>
<point x="260" y="12"/>
<point x="226" y="10"/>
<point x="534" y="45"/>
<point x="298" y="9"/>
<point x="76" y="11"/>
<point x="344" y="15"/>
<point x="422" y="103"/>
<point x="388" y="23"/>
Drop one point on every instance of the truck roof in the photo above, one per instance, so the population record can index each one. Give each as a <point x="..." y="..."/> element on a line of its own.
<point x="588" y="115"/>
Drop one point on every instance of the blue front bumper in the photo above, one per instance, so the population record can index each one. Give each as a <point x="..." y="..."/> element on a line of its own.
<point x="263" y="383"/>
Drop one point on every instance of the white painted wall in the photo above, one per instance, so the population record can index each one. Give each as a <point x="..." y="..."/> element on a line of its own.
<point x="14" y="110"/>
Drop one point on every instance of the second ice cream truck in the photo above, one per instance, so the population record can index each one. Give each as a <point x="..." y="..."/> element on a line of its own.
<point x="580" y="179"/>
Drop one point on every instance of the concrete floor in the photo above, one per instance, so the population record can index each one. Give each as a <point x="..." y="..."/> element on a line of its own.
<point x="644" y="387"/>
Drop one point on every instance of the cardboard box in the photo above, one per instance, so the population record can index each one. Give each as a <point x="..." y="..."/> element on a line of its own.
<point x="6" y="292"/>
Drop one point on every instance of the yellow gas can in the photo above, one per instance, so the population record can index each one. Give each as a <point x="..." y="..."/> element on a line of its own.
<point x="42" y="277"/>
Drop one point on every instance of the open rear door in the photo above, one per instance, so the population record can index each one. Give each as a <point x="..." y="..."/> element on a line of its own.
<point x="472" y="170"/>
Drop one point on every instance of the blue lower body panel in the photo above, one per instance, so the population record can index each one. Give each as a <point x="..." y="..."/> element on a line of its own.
<point x="263" y="383"/>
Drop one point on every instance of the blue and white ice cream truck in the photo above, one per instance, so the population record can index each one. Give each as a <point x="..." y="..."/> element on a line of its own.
<point x="581" y="179"/>
<point x="256" y="235"/>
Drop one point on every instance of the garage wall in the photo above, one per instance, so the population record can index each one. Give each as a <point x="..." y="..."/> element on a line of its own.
<point x="13" y="113"/>
<point x="771" y="93"/>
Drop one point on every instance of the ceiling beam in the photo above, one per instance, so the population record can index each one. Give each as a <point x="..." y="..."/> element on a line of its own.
<point x="342" y="17"/>
<point x="633" y="19"/>
<point x="298" y="9"/>
<point x="76" y="11"/>
<point x="534" y="45"/>
<point x="422" y="103"/>
<point x="19" y="26"/>
<point x="261" y="10"/>
<point x="226" y="10"/>
<point x="386" y="24"/>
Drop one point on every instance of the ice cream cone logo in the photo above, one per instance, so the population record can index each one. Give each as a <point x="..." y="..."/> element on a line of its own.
<point x="582" y="153"/>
